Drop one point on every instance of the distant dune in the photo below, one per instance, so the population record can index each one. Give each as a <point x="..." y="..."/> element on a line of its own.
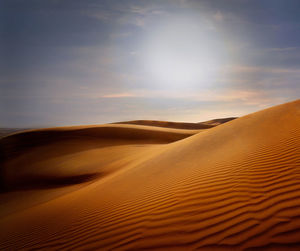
<point x="234" y="186"/>
<point x="179" y="125"/>
<point x="7" y="131"/>
<point x="216" y="122"/>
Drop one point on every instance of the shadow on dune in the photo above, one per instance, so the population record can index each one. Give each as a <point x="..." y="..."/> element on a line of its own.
<point x="45" y="182"/>
<point x="44" y="144"/>
<point x="16" y="144"/>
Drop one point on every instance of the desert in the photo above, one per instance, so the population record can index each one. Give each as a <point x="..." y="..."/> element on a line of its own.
<point x="234" y="186"/>
<point x="150" y="125"/>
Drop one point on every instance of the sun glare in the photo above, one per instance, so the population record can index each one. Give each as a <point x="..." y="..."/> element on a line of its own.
<point x="184" y="51"/>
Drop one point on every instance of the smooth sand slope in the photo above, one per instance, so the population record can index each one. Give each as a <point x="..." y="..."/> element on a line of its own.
<point x="232" y="187"/>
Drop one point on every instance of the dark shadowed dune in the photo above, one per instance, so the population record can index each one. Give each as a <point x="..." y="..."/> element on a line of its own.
<point x="7" y="131"/>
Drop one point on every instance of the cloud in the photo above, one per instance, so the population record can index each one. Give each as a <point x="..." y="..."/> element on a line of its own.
<point x="124" y="13"/>
<point x="284" y="49"/>
<point x="120" y="35"/>
<point x="99" y="14"/>
<point x="119" y="95"/>
<point x="218" y="16"/>
<point x="261" y="98"/>
<point x="256" y="69"/>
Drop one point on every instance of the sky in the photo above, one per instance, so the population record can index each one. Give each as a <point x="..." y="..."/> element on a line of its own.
<point x="74" y="62"/>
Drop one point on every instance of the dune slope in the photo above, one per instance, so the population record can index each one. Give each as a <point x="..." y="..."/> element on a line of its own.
<point x="232" y="187"/>
<point x="56" y="156"/>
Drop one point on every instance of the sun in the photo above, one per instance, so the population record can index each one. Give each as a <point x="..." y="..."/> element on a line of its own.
<point x="184" y="51"/>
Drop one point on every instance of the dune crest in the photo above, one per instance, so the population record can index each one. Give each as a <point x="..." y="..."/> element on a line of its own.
<point x="235" y="186"/>
<point x="179" y="125"/>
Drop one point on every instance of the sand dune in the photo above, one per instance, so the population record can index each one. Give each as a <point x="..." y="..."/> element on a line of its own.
<point x="76" y="148"/>
<point x="235" y="186"/>
<point x="7" y="131"/>
<point x="167" y="124"/>
<point x="216" y="122"/>
<point x="178" y="125"/>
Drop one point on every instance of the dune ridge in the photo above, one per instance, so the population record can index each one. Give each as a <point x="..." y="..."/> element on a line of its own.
<point x="216" y="122"/>
<point x="179" y="125"/>
<point x="168" y="124"/>
<point x="231" y="187"/>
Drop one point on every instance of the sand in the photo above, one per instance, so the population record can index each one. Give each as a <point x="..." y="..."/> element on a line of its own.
<point x="179" y="125"/>
<point x="235" y="186"/>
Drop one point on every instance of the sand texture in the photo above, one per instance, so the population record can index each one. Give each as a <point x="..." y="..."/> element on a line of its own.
<point x="235" y="186"/>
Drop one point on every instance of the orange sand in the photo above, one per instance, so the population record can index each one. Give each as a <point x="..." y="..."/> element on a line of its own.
<point x="235" y="186"/>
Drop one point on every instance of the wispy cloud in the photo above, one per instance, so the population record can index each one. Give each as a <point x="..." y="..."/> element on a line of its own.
<point x="246" y="97"/>
<point x="284" y="49"/>
<point x="126" y="13"/>
<point x="255" y="69"/>
<point x="218" y="16"/>
<point x="119" y="95"/>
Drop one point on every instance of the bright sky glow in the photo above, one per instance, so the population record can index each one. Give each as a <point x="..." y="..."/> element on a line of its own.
<point x="183" y="51"/>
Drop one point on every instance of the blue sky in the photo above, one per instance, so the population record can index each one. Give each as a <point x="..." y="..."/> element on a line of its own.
<point x="76" y="62"/>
